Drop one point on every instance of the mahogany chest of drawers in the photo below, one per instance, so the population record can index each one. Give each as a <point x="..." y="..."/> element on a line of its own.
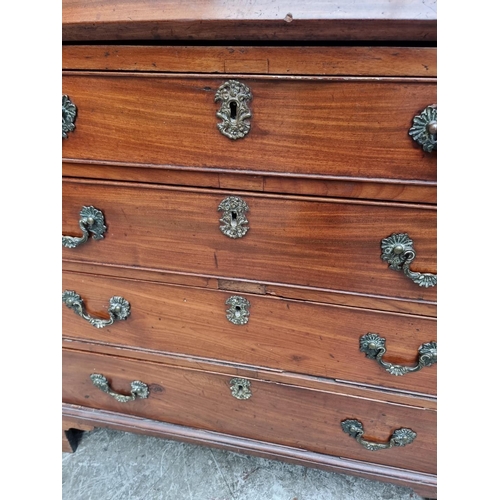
<point x="249" y="220"/>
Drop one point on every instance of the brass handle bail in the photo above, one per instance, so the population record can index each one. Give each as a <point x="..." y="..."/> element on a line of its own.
<point x="119" y="309"/>
<point x="373" y="346"/>
<point x="398" y="251"/>
<point x="91" y="221"/>
<point x="400" y="437"/>
<point x="138" y="389"/>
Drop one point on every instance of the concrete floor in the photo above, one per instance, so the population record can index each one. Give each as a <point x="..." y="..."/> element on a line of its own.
<point x="112" y="465"/>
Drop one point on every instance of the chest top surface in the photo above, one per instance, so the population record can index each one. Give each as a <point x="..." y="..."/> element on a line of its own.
<point x="322" y="20"/>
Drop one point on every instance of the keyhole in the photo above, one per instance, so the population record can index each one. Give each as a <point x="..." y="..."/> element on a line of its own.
<point x="233" y="106"/>
<point x="240" y="388"/>
<point x="237" y="311"/>
<point x="234" y="216"/>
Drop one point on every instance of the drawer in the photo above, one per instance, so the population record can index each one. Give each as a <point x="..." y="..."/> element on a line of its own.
<point x="288" y="335"/>
<point x="356" y="128"/>
<point x="276" y="413"/>
<point x="322" y="243"/>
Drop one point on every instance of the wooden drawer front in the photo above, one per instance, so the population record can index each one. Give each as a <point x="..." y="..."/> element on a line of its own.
<point x="302" y="126"/>
<point x="276" y="413"/>
<point x="282" y="334"/>
<point x="318" y="243"/>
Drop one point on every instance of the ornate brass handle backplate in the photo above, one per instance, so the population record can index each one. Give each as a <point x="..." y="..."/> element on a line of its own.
<point x="91" y="221"/>
<point x="68" y="116"/>
<point x="234" y="111"/>
<point x="424" y="129"/>
<point x="374" y="347"/>
<point x="138" y="389"/>
<point x="400" y="437"/>
<point x="119" y="309"/>
<point x="398" y="251"/>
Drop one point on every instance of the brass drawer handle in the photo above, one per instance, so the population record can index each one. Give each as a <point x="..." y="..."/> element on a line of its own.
<point x="238" y="312"/>
<point x="138" y="389"/>
<point x="398" y="251"/>
<point x="400" y="437"/>
<point x="91" y="221"/>
<point x="68" y="116"/>
<point x="233" y="217"/>
<point x="234" y="111"/>
<point x="424" y="129"/>
<point x="240" y="388"/>
<point x="374" y="347"/>
<point x="119" y="309"/>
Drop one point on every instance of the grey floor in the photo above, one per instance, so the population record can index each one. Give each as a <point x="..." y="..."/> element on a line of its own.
<point x="112" y="465"/>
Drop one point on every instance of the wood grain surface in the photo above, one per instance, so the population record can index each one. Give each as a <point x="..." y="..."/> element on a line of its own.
<point x="327" y="243"/>
<point x="252" y="20"/>
<point x="293" y="60"/>
<point x="330" y="127"/>
<point x="390" y="190"/>
<point x="284" y="291"/>
<point x="276" y="413"/>
<point x="328" y="385"/>
<point x="328" y="170"/>
<point x="282" y="334"/>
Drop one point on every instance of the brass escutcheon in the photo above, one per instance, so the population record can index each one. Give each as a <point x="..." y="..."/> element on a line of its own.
<point x="234" y="111"/>
<point x="233" y="217"/>
<point x="240" y="388"/>
<point x="238" y="312"/>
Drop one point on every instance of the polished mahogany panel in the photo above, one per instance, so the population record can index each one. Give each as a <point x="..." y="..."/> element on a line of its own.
<point x="331" y="244"/>
<point x="288" y="335"/>
<point x="276" y="413"/>
<point x="347" y="127"/>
